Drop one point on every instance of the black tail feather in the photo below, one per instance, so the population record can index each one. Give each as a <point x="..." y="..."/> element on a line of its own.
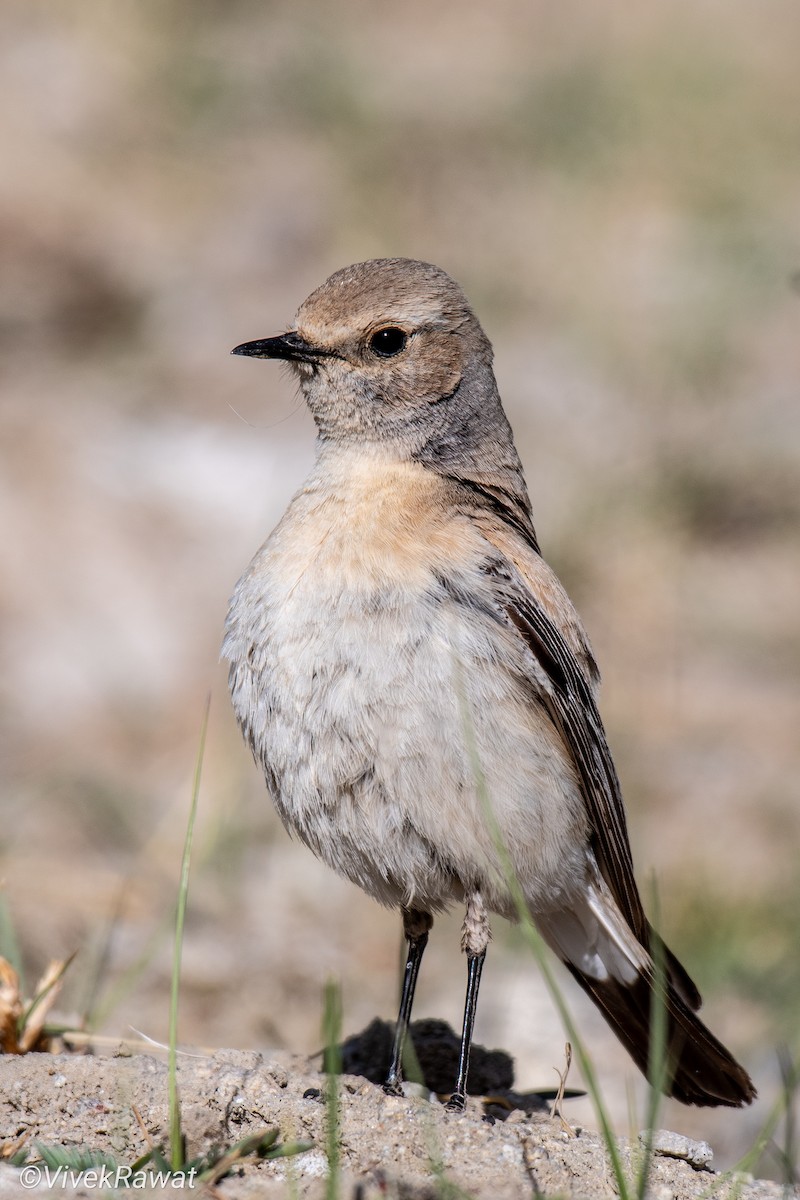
<point x="699" y="1070"/>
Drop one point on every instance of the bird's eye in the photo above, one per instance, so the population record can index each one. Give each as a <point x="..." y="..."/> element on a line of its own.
<point x="388" y="342"/>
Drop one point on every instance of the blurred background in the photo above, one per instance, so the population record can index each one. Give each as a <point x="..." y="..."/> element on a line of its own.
<point x="617" y="188"/>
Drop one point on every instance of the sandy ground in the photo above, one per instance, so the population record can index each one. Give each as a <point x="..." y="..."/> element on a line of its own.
<point x="408" y="1147"/>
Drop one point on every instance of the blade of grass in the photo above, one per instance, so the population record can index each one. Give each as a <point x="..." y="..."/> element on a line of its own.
<point x="97" y="1012"/>
<point x="534" y="938"/>
<point x="33" y="1022"/>
<point x="745" y="1166"/>
<point x="783" y="1152"/>
<point x="789" y="1157"/>
<point x="9" y="944"/>
<point x="52" y="979"/>
<point x="332" y="1033"/>
<point x="175" y="1132"/>
<point x="657" y="1057"/>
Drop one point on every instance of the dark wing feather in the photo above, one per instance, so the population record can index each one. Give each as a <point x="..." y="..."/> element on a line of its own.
<point x="699" y="1068"/>
<point x="702" y="1071"/>
<point x="573" y="710"/>
<point x="509" y="507"/>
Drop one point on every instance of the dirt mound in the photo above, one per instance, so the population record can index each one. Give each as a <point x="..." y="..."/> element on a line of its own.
<point x="399" y="1147"/>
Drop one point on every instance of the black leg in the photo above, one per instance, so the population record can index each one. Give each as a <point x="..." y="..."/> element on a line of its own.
<point x="458" y="1100"/>
<point x="416" y="925"/>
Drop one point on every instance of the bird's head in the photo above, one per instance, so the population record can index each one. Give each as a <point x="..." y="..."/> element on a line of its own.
<point x="382" y="350"/>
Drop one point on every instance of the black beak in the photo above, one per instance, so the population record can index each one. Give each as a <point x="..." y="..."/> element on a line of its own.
<point x="289" y="346"/>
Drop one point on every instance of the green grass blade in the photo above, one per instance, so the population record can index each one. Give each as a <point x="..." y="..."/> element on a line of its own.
<point x="534" y="938"/>
<point x="788" y="1154"/>
<point x="332" y="1033"/>
<point x="781" y="1110"/>
<point x="98" y="1009"/>
<point x="9" y="944"/>
<point x="39" y="997"/>
<point x="658" y="1065"/>
<point x="175" y="1132"/>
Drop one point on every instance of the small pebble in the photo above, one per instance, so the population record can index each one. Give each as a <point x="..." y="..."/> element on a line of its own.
<point x="677" y="1145"/>
<point x="278" y="1074"/>
<point x="313" y="1163"/>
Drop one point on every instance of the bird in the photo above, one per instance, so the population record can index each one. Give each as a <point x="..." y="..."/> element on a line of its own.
<point x="416" y="685"/>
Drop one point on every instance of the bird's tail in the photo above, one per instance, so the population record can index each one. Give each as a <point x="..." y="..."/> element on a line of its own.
<point x="628" y="987"/>
<point x="698" y="1069"/>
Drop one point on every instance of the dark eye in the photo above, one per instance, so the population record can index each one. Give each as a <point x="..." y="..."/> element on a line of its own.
<point x="388" y="342"/>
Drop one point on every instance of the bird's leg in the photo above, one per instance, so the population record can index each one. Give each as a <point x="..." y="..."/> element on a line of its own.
<point x="475" y="936"/>
<point x="416" y="926"/>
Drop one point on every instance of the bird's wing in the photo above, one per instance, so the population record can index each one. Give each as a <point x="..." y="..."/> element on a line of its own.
<point x="530" y="601"/>
<point x="698" y="1068"/>
<point x="571" y="706"/>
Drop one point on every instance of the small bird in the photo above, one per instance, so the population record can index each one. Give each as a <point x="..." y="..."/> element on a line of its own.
<point x="418" y="688"/>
